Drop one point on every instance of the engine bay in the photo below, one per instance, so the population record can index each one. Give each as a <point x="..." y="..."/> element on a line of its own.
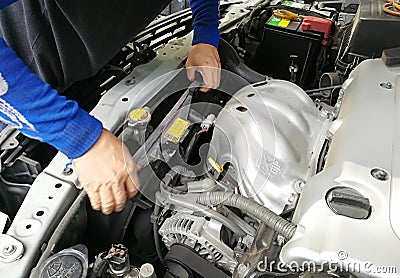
<point x="290" y="168"/>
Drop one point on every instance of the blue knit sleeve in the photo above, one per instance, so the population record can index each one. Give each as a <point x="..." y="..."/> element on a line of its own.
<point x="36" y="109"/>
<point x="205" y="21"/>
<point x="5" y="3"/>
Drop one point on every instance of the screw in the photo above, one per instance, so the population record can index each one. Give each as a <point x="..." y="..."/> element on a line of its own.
<point x="292" y="198"/>
<point x="67" y="171"/>
<point x="8" y="250"/>
<point x="386" y="85"/>
<point x="130" y="81"/>
<point x="380" y="174"/>
<point x="242" y="270"/>
<point x="281" y="240"/>
<point x="299" y="185"/>
<point x="325" y="113"/>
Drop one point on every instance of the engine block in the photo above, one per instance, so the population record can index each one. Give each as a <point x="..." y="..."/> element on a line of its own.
<point x="271" y="135"/>
<point x="363" y="166"/>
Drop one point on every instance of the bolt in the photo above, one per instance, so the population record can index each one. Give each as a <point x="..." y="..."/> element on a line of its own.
<point x="325" y="113"/>
<point x="232" y="268"/>
<point x="386" y="85"/>
<point x="130" y="81"/>
<point x="242" y="270"/>
<point x="292" y="198"/>
<point x="380" y="174"/>
<point x="281" y="240"/>
<point x="299" y="185"/>
<point x="8" y="250"/>
<point x="67" y="171"/>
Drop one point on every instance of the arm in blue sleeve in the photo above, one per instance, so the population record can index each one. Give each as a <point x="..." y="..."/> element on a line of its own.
<point x="40" y="112"/>
<point x="205" y="21"/>
<point x="5" y="3"/>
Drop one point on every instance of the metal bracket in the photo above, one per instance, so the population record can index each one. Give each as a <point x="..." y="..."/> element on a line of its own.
<point x="10" y="249"/>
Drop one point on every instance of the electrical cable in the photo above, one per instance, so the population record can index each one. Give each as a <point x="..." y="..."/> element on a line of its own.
<point x="391" y="8"/>
<point x="156" y="236"/>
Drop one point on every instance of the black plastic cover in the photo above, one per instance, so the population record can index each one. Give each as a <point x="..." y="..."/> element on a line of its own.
<point x="391" y="57"/>
<point x="374" y="30"/>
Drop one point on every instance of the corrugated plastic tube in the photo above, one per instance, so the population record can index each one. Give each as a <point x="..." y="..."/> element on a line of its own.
<point x="271" y="219"/>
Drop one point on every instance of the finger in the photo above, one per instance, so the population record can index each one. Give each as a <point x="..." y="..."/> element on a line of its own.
<point x="107" y="199"/>
<point x="218" y="76"/>
<point x="119" y="196"/>
<point x="132" y="183"/>
<point x="191" y="73"/>
<point x="214" y="78"/>
<point x="131" y="187"/>
<point x="94" y="199"/>
<point x="205" y="90"/>
<point x="206" y="73"/>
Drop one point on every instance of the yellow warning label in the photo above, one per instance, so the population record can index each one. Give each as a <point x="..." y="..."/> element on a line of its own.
<point x="177" y="130"/>
<point x="284" y="23"/>
<point x="138" y="114"/>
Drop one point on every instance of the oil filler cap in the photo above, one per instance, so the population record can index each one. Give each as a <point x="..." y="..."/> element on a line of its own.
<point x="348" y="202"/>
<point x="71" y="263"/>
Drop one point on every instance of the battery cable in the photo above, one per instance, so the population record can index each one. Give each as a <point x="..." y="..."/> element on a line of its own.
<point x="392" y="8"/>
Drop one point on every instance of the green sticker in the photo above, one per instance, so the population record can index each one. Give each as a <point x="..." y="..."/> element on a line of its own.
<point x="288" y="3"/>
<point x="274" y="21"/>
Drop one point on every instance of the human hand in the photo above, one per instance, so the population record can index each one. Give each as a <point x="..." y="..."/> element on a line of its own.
<point x="204" y="58"/>
<point x="108" y="174"/>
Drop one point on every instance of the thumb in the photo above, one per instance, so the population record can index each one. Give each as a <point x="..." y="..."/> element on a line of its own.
<point x="191" y="72"/>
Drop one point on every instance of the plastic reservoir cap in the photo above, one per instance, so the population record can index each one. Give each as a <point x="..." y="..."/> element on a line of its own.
<point x="140" y="115"/>
<point x="72" y="263"/>
<point x="147" y="271"/>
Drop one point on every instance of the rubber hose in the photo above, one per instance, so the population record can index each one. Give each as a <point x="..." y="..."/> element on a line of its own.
<point x="231" y="61"/>
<point x="168" y="178"/>
<point x="178" y="170"/>
<point x="271" y="219"/>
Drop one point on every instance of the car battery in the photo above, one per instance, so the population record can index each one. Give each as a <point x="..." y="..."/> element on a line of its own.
<point x="290" y="48"/>
<point x="373" y="30"/>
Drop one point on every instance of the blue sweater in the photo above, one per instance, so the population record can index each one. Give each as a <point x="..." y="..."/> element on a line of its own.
<point x="36" y="109"/>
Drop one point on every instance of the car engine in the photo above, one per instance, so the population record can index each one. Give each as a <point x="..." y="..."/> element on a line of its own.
<point x="291" y="168"/>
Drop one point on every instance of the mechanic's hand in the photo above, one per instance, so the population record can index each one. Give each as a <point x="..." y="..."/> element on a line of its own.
<point x="105" y="172"/>
<point x="204" y="58"/>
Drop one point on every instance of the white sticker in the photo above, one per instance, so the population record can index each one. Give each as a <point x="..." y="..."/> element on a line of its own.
<point x="3" y="85"/>
<point x="296" y="5"/>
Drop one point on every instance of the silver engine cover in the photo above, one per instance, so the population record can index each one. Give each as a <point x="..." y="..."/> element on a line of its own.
<point x="366" y="135"/>
<point x="271" y="134"/>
